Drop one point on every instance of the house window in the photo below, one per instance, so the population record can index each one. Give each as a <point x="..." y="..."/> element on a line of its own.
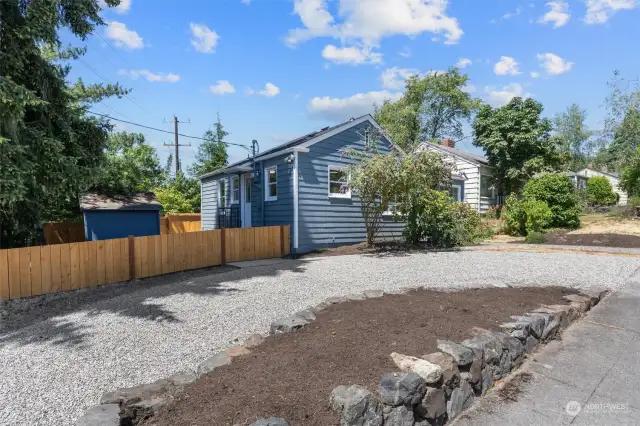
<point x="271" y="184"/>
<point x="486" y="186"/>
<point x="222" y="193"/>
<point x="338" y="180"/>
<point x="235" y="189"/>
<point x="456" y="192"/>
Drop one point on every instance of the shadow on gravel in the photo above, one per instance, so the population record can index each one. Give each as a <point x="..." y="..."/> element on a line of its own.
<point x="44" y="319"/>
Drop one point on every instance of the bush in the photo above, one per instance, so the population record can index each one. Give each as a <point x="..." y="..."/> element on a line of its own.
<point x="600" y="192"/>
<point x="535" y="238"/>
<point x="493" y="212"/>
<point x="537" y="214"/>
<point x="435" y="217"/>
<point x="514" y="216"/>
<point x="634" y="201"/>
<point x="560" y="194"/>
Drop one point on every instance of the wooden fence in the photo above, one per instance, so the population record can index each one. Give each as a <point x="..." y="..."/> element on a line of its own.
<point x="177" y="223"/>
<point x="63" y="232"/>
<point x="33" y="271"/>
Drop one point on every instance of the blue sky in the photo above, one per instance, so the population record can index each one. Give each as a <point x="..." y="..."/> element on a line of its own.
<point x="277" y="69"/>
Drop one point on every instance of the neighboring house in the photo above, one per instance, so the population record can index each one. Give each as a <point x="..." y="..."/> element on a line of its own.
<point x="300" y="183"/>
<point x="579" y="180"/>
<point x="613" y="178"/>
<point x="473" y="177"/>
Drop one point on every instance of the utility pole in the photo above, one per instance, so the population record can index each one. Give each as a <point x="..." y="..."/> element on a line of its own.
<point x="176" y="144"/>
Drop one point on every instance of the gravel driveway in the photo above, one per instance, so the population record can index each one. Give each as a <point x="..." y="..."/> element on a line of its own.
<point x="59" y="356"/>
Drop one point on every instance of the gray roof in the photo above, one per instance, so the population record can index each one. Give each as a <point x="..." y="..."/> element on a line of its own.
<point x="100" y="201"/>
<point x="474" y="158"/>
<point x="283" y="146"/>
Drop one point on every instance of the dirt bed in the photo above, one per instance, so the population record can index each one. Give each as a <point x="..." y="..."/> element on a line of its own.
<point x="291" y="375"/>
<point x="600" y="240"/>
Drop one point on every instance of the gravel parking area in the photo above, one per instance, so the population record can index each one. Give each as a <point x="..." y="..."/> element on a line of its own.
<point x="59" y="355"/>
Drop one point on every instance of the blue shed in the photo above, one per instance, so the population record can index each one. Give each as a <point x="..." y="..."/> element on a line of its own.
<point x="118" y="216"/>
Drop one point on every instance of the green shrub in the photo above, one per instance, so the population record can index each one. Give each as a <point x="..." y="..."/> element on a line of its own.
<point x="633" y="201"/>
<point x="560" y="194"/>
<point x="535" y="238"/>
<point x="600" y="192"/>
<point x="514" y="216"/>
<point x="493" y="212"/>
<point x="537" y="214"/>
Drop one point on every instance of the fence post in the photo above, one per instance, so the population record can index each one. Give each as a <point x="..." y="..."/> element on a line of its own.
<point x="223" y="249"/>
<point x="132" y="257"/>
<point x="281" y="241"/>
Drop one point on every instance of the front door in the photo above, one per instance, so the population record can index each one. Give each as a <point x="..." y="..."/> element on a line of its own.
<point x="245" y="200"/>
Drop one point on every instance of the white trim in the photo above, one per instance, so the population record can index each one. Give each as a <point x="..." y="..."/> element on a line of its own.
<point x="233" y="178"/>
<point x="493" y="189"/>
<point x="268" y="197"/>
<point x="219" y="184"/>
<point x="280" y="152"/>
<point x="459" y="196"/>
<point x="346" y="195"/>
<point x="295" y="200"/>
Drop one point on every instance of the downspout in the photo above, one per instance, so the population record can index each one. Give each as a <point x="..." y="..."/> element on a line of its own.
<point x="295" y="200"/>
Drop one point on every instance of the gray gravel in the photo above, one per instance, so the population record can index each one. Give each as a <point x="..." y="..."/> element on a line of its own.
<point x="59" y="355"/>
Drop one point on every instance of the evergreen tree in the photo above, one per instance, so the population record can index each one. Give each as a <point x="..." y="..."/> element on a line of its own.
<point x="212" y="153"/>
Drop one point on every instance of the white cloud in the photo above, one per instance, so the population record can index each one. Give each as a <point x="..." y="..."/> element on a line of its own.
<point x="341" y="109"/>
<point x="150" y="76"/>
<point x="222" y="87"/>
<point x="204" y="39"/>
<point x="534" y="74"/>
<point x="405" y="52"/>
<point x="558" y="14"/>
<point x="122" y="36"/>
<point x="510" y="15"/>
<point x="270" y="90"/>
<point x="500" y="96"/>
<point x="366" y="22"/>
<point x="394" y="78"/>
<point x="246" y="1"/>
<point x="464" y="62"/>
<point x="554" y="64"/>
<point x="506" y="66"/>
<point x="599" y="11"/>
<point x="121" y="9"/>
<point x="350" y="55"/>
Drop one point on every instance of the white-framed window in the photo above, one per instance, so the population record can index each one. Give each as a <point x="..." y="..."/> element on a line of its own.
<point x="222" y="193"/>
<point x="338" y="182"/>
<point x="271" y="183"/>
<point x="456" y="192"/>
<point x="235" y="189"/>
<point x="391" y="208"/>
<point x="486" y="186"/>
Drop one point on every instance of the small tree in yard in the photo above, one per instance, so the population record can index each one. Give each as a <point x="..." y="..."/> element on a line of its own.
<point x="600" y="192"/>
<point x="559" y="192"/>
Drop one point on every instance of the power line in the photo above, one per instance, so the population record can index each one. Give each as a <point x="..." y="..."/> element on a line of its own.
<point x="167" y="131"/>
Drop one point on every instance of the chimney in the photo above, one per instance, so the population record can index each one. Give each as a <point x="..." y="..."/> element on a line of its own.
<point x="590" y="166"/>
<point x="448" y="142"/>
<point x="604" y="169"/>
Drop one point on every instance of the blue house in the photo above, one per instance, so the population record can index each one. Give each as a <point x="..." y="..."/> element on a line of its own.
<point x="118" y="216"/>
<point x="299" y="183"/>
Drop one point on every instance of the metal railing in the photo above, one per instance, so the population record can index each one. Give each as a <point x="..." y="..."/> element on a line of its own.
<point x="228" y="217"/>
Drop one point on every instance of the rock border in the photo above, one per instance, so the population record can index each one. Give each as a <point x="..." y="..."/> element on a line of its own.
<point x="429" y="390"/>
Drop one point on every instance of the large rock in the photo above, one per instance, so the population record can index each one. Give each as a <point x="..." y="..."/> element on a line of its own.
<point x="357" y="406"/>
<point x="210" y="364"/>
<point x="450" y="370"/>
<point x="536" y="324"/>
<point x="271" y="421"/>
<point x="431" y="373"/>
<point x="513" y="345"/>
<point x="475" y="372"/>
<point x="127" y="396"/>
<point x="372" y="294"/>
<point x="183" y="379"/>
<point x="335" y="300"/>
<point x="254" y="340"/>
<point x="530" y="344"/>
<point x="402" y="389"/>
<point x="463" y="355"/>
<point x="398" y="416"/>
<point x="147" y="408"/>
<point x="433" y="405"/>
<point x="583" y="301"/>
<point x="489" y="343"/>
<point x="487" y="379"/>
<point x="285" y="325"/>
<point x="101" y="415"/>
<point x="461" y="398"/>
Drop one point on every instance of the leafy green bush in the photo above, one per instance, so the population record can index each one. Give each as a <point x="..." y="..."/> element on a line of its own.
<point x="537" y="214"/>
<point x="535" y="238"/>
<point x="600" y="192"/>
<point x="514" y="216"/>
<point x="633" y="201"/>
<point x="493" y="212"/>
<point x="560" y="194"/>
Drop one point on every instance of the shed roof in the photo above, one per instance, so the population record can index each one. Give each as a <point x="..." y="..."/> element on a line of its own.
<point x="101" y="201"/>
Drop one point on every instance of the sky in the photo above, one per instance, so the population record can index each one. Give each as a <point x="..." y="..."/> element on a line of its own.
<point x="278" y="69"/>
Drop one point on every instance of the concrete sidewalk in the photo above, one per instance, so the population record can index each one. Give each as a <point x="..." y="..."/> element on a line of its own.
<point x="589" y="377"/>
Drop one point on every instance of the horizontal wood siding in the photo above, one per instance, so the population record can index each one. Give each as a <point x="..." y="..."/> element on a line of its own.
<point x="280" y="211"/>
<point x="209" y="203"/>
<point x="324" y="221"/>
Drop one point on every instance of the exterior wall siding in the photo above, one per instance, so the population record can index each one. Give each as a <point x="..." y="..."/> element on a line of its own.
<point x="486" y="202"/>
<point x="328" y="222"/>
<point x="110" y="224"/>
<point x="209" y="200"/>
<point x="277" y="212"/>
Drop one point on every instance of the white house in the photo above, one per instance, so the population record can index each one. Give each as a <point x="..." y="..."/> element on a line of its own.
<point x="613" y="178"/>
<point x="472" y="182"/>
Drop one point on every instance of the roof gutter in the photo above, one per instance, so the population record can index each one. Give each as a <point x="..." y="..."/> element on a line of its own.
<point x="240" y="168"/>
